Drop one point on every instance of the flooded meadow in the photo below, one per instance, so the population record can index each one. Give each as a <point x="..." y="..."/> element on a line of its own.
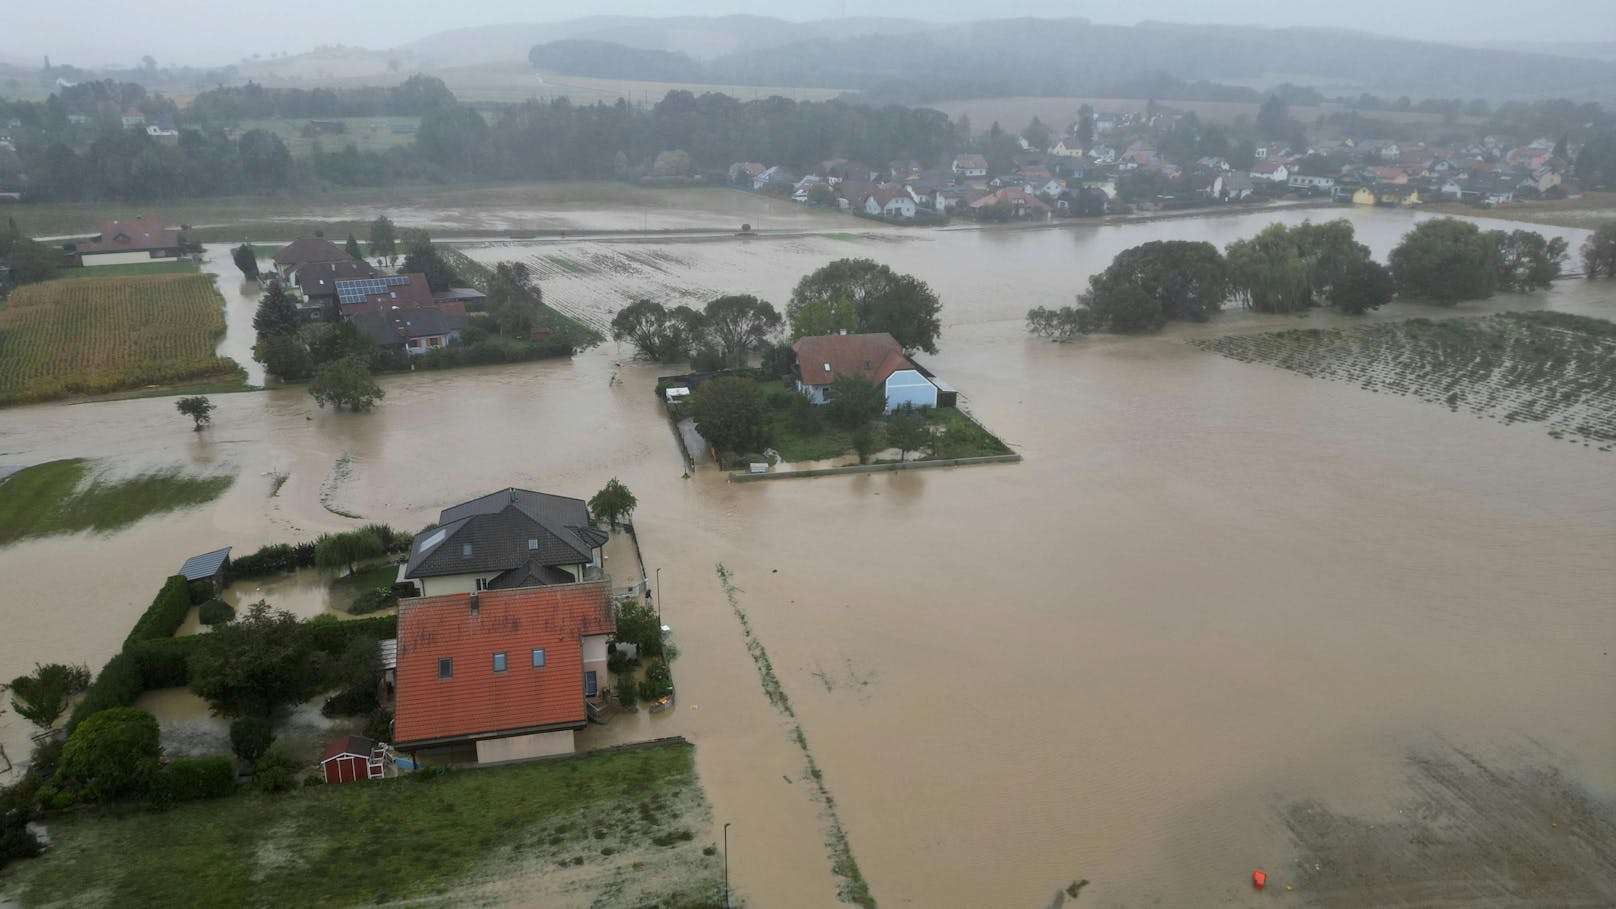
<point x="1214" y="591"/>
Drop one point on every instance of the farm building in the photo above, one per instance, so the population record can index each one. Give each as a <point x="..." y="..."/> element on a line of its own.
<point x="130" y="241"/>
<point x="352" y="758"/>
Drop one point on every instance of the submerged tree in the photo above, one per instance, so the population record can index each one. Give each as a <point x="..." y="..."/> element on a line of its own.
<point x="514" y="298"/>
<point x="383" y="239"/>
<point x="738" y="324"/>
<point x="1446" y="260"/>
<point x="255" y="665"/>
<point x="246" y="260"/>
<point x="41" y="696"/>
<point x="1363" y="286"/>
<point x="907" y="431"/>
<point x="346" y="383"/>
<point x="884" y="300"/>
<point x="612" y="503"/>
<point x="277" y="312"/>
<point x="730" y="414"/>
<point x="198" y="408"/>
<point x="1599" y="251"/>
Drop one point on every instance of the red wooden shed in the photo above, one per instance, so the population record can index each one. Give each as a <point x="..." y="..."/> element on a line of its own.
<point x="348" y="759"/>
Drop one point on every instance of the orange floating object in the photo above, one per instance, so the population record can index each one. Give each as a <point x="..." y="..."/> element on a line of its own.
<point x="1259" y="878"/>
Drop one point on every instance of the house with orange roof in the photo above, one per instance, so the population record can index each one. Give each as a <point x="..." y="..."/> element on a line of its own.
<point x="500" y="675"/>
<point x="876" y="356"/>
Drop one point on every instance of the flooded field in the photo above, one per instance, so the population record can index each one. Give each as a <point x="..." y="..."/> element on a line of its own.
<point x="1213" y="592"/>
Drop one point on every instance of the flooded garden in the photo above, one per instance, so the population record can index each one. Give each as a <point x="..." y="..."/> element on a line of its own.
<point x="1212" y="596"/>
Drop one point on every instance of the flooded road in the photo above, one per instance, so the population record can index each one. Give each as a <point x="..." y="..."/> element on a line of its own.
<point x="1209" y="587"/>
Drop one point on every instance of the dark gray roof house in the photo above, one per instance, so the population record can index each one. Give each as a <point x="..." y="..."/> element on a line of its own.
<point x="415" y="329"/>
<point x="507" y="539"/>
<point x="318" y="280"/>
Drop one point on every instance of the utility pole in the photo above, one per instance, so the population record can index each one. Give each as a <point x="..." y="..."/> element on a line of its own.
<point x="659" y="599"/>
<point x="726" y="865"/>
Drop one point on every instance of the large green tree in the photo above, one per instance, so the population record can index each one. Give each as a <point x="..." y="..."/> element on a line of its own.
<point x="1445" y="260"/>
<point x="1527" y="260"/>
<point x="346" y="384"/>
<point x="730" y="414"/>
<point x="901" y="305"/>
<point x="1599" y="251"/>
<point x="657" y="332"/>
<point x="285" y="357"/>
<point x="1363" y="286"/>
<point x="738" y="324"/>
<point x="613" y="503"/>
<point x="1187" y="280"/>
<point x="514" y="298"/>
<point x="822" y="316"/>
<point x="420" y="256"/>
<point x="246" y="259"/>
<point x="277" y="313"/>
<point x="383" y="238"/>
<point x="254" y="665"/>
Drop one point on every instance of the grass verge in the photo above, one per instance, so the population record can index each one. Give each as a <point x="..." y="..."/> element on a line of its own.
<point x="614" y="826"/>
<point x="851" y="888"/>
<point x="63" y="497"/>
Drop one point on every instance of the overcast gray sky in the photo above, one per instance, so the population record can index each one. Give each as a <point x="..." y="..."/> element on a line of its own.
<point x="208" y="32"/>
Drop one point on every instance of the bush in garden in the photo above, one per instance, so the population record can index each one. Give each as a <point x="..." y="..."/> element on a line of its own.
<point x="110" y="755"/>
<point x="215" y="612"/>
<point x="191" y="779"/>
<point x="658" y="682"/>
<point x="250" y="737"/>
<point x="276" y="771"/>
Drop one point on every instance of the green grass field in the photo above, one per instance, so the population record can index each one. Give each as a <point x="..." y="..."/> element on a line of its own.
<point x="65" y="497"/>
<point x="366" y="133"/>
<point x="627" y="828"/>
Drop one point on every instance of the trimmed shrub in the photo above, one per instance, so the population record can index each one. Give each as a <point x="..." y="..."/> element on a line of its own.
<point x="118" y="684"/>
<point x="276" y="771"/>
<point x="331" y="634"/>
<point x="164" y="663"/>
<point x="250" y="737"/>
<point x="215" y="612"/>
<point x="201" y="591"/>
<point x="110" y="755"/>
<point x="192" y="779"/>
<point x="166" y="613"/>
<point x="276" y="558"/>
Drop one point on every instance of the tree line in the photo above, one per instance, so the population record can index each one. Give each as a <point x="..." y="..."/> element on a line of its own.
<point x="1293" y="269"/>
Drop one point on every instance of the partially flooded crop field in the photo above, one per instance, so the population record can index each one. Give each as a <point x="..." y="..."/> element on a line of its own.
<point x="1540" y="367"/>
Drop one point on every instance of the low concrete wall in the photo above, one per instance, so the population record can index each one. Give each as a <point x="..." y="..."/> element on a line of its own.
<point x="524" y="747"/>
<point x="873" y="468"/>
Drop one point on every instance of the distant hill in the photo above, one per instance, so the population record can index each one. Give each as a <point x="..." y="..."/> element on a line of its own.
<point x="700" y="37"/>
<point x="603" y="59"/>
<point x="1592" y="50"/>
<point x="1074" y="56"/>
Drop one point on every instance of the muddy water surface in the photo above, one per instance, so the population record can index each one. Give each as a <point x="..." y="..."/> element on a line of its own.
<point x="1209" y="587"/>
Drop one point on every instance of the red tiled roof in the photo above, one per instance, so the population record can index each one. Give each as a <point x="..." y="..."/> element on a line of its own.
<point x="353" y="744"/>
<point x="874" y="356"/>
<point x="476" y="700"/>
<point x="132" y="234"/>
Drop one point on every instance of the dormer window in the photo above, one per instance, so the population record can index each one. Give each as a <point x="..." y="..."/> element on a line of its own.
<point x="465" y="549"/>
<point x="827" y="367"/>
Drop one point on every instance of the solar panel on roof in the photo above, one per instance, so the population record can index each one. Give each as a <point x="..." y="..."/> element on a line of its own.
<point x="356" y="290"/>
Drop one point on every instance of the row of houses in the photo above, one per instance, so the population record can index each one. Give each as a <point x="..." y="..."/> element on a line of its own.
<point x="400" y="312"/>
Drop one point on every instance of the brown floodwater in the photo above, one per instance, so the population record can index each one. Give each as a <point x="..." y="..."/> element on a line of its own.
<point x="1210" y="587"/>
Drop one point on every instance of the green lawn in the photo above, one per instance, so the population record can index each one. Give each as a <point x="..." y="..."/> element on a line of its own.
<point x="629" y="828"/>
<point x="138" y="268"/>
<point x="956" y="434"/>
<point x="64" y="497"/>
<point x="374" y="577"/>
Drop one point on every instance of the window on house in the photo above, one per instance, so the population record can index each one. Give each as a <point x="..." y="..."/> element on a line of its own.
<point x="481" y="583"/>
<point x="465" y="549"/>
<point x="532" y="545"/>
<point x="591" y="684"/>
<point x="499" y="662"/>
<point x="538" y="659"/>
<point x="446" y="668"/>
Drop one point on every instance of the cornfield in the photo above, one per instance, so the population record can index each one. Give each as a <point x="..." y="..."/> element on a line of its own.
<point x="98" y="335"/>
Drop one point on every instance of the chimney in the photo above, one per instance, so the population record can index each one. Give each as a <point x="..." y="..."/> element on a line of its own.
<point x="474" y="602"/>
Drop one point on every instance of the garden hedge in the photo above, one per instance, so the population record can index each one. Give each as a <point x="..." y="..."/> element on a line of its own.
<point x="191" y="779"/>
<point x="166" y="613"/>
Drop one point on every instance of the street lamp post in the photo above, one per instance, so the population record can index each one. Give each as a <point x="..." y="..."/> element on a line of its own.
<point x="659" y="599"/>
<point x="726" y="865"/>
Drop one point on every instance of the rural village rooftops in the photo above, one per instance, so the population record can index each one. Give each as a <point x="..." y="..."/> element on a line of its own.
<point x="132" y="235"/>
<point x="319" y="279"/>
<point x="506" y="530"/>
<point x="874" y="356"/>
<point x="475" y="698"/>
<point x="390" y="325"/>
<point x="304" y="250"/>
<point x="374" y="291"/>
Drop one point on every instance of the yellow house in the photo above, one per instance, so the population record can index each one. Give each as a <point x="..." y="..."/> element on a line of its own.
<point x="1399" y="195"/>
<point x="1363" y="195"/>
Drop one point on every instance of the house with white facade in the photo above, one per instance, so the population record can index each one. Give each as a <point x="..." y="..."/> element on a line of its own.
<point x="876" y="356"/>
